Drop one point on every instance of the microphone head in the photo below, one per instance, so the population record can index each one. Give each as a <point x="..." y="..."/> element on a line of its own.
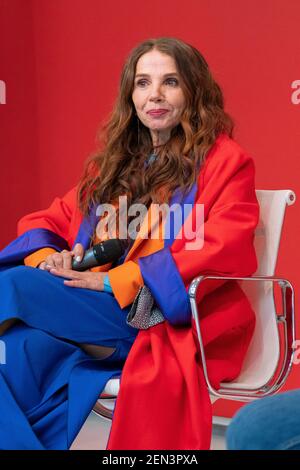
<point x="109" y="250"/>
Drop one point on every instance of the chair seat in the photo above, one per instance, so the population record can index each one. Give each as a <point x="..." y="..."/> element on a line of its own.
<point x="111" y="388"/>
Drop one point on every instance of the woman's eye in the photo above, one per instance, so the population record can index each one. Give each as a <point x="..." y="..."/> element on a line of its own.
<point x="141" y="82"/>
<point x="174" y="81"/>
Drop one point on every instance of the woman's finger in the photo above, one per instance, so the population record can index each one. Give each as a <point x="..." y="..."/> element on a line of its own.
<point x="78" y="251"/>
<point x="67" y="259"/>
<point x="49" y="263"/>
<point x="58" y="260"/>
<point x="85" y="280"/>
<point x="66" y="273"/>
<point x="42" y="265"/>
<point x="76" y="283"/>
<point x="92" y="284"/>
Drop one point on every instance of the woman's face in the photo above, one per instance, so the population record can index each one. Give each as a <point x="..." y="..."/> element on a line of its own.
<point x="157" y="94"/>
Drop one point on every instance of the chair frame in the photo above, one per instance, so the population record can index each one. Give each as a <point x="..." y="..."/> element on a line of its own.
<point x="287" y="318"/>
<point x="102" y="410"/>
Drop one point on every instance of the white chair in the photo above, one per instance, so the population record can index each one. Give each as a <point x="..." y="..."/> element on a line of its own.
<point x="270" y="354"/>
<point x="261" y="374"/>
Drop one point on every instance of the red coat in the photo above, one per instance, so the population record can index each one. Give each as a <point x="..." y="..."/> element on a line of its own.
<point x="163" y="401"/>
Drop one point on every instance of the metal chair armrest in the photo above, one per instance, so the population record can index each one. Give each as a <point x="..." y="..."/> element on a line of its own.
<point x="287" y="318"/>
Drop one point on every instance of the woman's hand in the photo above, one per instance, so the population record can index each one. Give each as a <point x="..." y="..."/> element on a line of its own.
<point x="85" y="280"/>
<point x="60" y="264"/>
<point x="63" y="259"/>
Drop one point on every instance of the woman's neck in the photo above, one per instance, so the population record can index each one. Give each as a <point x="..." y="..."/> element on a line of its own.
<point x="160" y="137"/>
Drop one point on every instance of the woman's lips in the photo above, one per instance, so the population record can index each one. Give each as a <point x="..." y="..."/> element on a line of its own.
<point x="158" y="113"/>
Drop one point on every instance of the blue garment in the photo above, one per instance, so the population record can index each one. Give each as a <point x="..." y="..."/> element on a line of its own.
<point x="270" y="423"/>
<point x="48" y="384"/>
<point x="106" y="284"/>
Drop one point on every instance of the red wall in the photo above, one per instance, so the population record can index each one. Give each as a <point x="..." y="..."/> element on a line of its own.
<point x="61" y="61"/>
<point x="20" y="165"/>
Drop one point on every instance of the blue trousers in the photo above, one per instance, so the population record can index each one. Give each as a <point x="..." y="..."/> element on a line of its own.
<point x="271" y="423"/>
<point x="48" y="384"/>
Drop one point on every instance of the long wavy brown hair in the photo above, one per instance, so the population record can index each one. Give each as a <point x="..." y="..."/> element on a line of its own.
<point x="117" y="167"/>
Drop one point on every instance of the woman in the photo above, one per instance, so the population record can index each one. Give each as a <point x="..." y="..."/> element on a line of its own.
<point x="169" y="108"/>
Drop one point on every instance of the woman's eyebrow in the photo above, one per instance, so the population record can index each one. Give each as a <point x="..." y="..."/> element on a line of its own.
<point x="165" y="75"/>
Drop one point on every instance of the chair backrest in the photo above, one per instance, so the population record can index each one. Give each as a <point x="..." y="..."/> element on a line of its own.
<point x="264" y="351"/>
<point x="272" y="206"/>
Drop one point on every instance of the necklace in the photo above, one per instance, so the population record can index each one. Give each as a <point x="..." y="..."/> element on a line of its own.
<point x="152" y="157"/>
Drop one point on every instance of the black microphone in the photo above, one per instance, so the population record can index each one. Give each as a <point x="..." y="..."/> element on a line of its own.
<point x="101" y="253"/>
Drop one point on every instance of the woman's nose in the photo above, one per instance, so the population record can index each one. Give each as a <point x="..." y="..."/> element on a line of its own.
<point x="156" y="93"/>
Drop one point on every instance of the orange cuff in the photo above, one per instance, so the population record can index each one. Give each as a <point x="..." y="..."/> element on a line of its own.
<point x="125" y="281"/>
<point x="38" y="256"/>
